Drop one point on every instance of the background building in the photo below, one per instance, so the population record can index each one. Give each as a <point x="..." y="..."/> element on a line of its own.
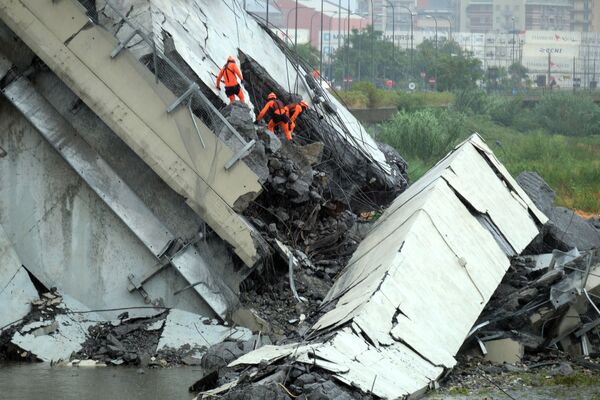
<point x="595" y="15"/>
<point x="548" y="15"/>
<point x="560" y="15"/>
<point x="581" y="15"/>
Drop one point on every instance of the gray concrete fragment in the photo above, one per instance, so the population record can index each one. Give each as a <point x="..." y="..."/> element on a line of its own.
<point x="562" y="369"/>
<point x="538" y="190"/>
<point x="570" y="230"/>
<point x="68" y="333"/>
<point x="239" y="116"/>
<point x="566" y="229"/>
<point x="196" y="333"/>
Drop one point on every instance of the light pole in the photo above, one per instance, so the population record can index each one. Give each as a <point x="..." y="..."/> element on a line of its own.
<point x="339" y="36"/>
<point x="339" y="23"/>
<point x="347" y="68"/>
<point x="267" y="13"/>
<point x="393" y="31"/>
<point x="412" y="63"/>
<point x="436" y="46"/>
<point x="321" y="45"/>
<point x="513" y="40"/>
<point x="329" y="45"/>
<point x="287" y="25"/>
<point x="359" y="51"/>
<point x="372" y="42"/>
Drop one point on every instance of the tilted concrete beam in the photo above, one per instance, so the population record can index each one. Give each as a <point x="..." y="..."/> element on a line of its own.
<point x="125" y="96"/>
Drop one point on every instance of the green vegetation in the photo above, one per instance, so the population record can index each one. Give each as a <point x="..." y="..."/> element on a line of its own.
<point x="578" y="379"/>
<point x="425" y="134"/>
<point x="559" y="138"/>
<point x="455" y="390"/>
<point x="367" y="56"/>
<point x="366" y="95"/>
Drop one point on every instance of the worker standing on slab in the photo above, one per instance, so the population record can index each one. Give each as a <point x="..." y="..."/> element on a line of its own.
<point x="295" y="109"/>
<point x="230" y="74"/>
<point x="278" y="113"/>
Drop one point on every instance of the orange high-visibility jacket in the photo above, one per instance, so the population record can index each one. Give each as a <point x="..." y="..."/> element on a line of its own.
<point x="275" y="105"/>
<point x="228" y="73"/>
<point x="296" y="109"/>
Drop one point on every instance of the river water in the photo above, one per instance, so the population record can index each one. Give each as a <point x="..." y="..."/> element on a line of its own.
<point x="42" y="382"/>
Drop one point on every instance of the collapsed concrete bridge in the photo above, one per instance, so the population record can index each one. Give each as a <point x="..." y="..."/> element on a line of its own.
<point x="123" y="92"/>
<point x="125" y="181"/>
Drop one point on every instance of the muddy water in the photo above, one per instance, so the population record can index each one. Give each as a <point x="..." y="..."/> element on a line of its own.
<point x="41" y="382"/>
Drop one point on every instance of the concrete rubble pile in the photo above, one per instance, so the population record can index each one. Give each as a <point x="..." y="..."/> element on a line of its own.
<point x="452" y="232"/>
<point x="546" y="305"/>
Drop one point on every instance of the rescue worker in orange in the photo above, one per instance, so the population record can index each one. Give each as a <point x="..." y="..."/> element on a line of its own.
<point x="295" y="109"/>
<point x="278" y="113"/>
<point x="229" y="73"/>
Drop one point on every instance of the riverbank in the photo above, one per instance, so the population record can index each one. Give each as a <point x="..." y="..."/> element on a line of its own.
<point x="557" y="379"/>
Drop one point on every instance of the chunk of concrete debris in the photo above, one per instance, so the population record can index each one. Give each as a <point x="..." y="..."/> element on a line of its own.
<point x="566" y="228"/>
<point x="313" y="152"/>
<point x="562" y="369"/>
<point x="62" y="336"/>
<point x="249" y="318"/>
<point x="194" y="334"/>
<point x="538" y="190"/>
<point x="502" y="351"/>
<point x="86" y="363"/>
<point x="271" y="142"/>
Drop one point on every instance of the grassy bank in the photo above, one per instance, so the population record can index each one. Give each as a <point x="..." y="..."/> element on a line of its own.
<point x="570" y="164"/>
<point x="565" y="153"/>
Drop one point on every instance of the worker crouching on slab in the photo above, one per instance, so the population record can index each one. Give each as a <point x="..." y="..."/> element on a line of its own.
<point x="230" y="74"/>
<point x="295" y="109"/>
<point x="278" y="114"/>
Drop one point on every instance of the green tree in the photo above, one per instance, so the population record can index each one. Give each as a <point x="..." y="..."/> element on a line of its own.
<point x="453" y="68"/>
<point x="366" y="56"/>
<point x="307" y="53"/>
<point x="518" y="74"/>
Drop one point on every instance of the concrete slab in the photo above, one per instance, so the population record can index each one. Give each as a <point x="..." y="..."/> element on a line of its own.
<point x="68" y="333"/>
<point x="196" y="333"/>
<point x="501" y="351"/>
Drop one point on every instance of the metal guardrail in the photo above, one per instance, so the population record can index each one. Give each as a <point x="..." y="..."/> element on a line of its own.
<point x="192" y="91"/>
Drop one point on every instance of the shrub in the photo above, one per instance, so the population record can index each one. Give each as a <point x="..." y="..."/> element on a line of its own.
<point x="369" y="90"/>
<point x="354" y="99"/>
<point x="471" y="101"/>
<point x="409" y="102"/>
<point x="504" y="110"/>
<point x="568" y="114"/>
<point x="425" y="134"/>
